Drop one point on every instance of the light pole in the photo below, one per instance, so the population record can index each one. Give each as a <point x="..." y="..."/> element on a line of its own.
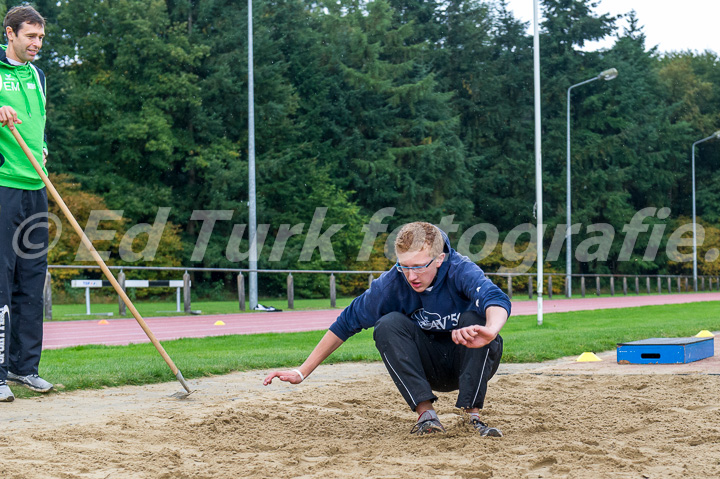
<point x="604" y="75"/>
<point x="538" y="158"/>
<point x="714" y="135"/>
<point x="252" y="216"/>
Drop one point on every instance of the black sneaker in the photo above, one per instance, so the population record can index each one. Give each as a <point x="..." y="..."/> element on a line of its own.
<point x="6" y="395"/>
<point x="428" y="423"/>
<point x="484" y="429"/>
<point x="31" y="381"/>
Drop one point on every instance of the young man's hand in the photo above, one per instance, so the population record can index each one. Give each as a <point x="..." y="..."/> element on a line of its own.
<point x="8" y="117"/>
<point x="474" y="336"/>
<point x="291" y="377"/>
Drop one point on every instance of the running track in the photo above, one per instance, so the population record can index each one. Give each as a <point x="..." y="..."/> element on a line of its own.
<point x="63" y="334"/>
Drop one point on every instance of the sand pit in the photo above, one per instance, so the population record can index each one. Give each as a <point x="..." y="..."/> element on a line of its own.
<point x="349" y="421"/>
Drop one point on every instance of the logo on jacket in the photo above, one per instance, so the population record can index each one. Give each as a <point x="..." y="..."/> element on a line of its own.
<point x="433" y="321"/>
<point x="4" y="317"/>
<point x="11" y="85"/>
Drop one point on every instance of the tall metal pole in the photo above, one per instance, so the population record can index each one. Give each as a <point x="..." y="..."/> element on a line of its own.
<point x="714" y="135"/>
<point x="606" y="75"/>
<point x="538" y="161"/>
<point x="568" y="229"/>
<point x="251" y="167"/>
<point x="694" y="221"/>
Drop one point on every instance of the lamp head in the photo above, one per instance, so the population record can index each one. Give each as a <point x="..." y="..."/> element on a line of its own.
<point x="608" y="74"/>
<point x="717" y="134"/>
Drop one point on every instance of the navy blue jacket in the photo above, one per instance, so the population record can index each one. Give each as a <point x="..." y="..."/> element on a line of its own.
<point x="460" y="286"/>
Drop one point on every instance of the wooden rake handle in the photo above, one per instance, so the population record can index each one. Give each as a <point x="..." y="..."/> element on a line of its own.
<point x="85" y="241"/>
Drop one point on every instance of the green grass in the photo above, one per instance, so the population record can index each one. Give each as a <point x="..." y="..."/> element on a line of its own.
<point x="562" y="334"/>
<point x="70" y="312"/>
<point x="568" y="334"/>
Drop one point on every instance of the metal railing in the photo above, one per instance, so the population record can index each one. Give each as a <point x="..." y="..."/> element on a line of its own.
<point x="652" y="283"/>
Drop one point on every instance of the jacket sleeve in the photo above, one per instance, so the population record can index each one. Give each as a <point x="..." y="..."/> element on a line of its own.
<point x="366" y="309"/>
<point x="480" y="289"/>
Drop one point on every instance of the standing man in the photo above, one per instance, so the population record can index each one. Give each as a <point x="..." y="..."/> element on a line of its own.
<point x="23" y="203"/>
<point x="436" y="318"/>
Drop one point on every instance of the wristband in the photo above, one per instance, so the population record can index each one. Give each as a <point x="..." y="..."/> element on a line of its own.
<point x="302" y="378"/>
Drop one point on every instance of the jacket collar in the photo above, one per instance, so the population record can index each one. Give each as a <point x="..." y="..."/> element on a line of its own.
<point x="3" y="54"/>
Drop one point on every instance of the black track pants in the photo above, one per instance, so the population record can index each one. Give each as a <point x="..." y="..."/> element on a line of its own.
<point x="23" y="264"/>
<point x="421" y="361"/>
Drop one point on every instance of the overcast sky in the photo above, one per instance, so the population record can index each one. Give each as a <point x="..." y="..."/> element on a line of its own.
<point x="671" y="25"/>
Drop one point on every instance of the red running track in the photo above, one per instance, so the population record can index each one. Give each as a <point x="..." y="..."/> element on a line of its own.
<point x="63" y="334"/>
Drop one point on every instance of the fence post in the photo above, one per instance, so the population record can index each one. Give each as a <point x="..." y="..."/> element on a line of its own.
<point x="659" y="285"/>
<point x="597" y="284"/>
<point x="568" y="285"/>
<point x="530" y="287"/>
<point x="122" y="309"/>
<point x="47" y="296"/>
<point x="669" y="285"/>
<point x="710" y="283"/>
<point x="702" y="282"/>
<point x="549" y="290"/>
<point x="612" y="286"/>
<point x="582" y="286"/>
<point x="290" y="291"/>
<point x="647" y="284"/>
<point x="332" y="290"/>
<point x="510" y="286"/>
<point x="624" y="285"/>
<point x="241" y="291"/>
<point x="186" y="291"/>
<point x="370" y="280"/>
<point x="637" y="285"/>
<point x="679" y="287"/>
<point x="687" y="285"/>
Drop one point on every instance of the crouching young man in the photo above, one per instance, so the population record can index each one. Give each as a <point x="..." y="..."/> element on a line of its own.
<point x="437" y="320"/>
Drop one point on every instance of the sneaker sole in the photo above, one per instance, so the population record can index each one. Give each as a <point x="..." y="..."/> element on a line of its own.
<point x="432" y="430"/>
<point x="32" y="388"/>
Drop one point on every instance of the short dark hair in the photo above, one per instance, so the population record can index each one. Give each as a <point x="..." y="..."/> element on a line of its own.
<point x="16" y="16"/>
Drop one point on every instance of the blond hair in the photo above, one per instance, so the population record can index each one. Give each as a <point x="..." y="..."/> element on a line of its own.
<point x="417" y="236"/>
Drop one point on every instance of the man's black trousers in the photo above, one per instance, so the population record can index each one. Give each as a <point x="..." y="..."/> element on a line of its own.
<point x="421" y="361"/>
<point x="23" y="264"/>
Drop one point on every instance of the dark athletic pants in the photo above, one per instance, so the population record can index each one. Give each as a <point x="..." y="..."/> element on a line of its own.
<point x="22" y="276"/>
<point x="421" y="361"/>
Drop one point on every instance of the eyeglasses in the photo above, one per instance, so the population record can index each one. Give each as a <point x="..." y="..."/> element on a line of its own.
<point x="415" y="269"/>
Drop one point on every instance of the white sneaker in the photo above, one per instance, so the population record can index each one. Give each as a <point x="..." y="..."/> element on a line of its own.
<point x="6" y="395"/>
<point x="31" y="381"/>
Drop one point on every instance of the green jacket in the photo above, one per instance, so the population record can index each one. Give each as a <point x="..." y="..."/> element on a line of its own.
<point x="23" y="88"/>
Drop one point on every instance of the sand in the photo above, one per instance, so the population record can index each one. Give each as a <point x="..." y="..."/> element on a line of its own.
<point x="348" y="420"/>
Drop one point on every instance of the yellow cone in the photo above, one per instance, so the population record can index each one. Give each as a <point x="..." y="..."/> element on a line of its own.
<point x="103" y="321"/>
<point x="704" y="334"/>
<point x="219" y="323"/>
<point x="587" y="357"/>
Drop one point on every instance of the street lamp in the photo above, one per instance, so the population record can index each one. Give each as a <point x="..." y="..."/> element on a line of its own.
<point x="714" y="135"/>
<point x="606" y="75"/>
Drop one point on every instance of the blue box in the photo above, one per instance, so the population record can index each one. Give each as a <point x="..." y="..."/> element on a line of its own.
<point x="665" y="350"/>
